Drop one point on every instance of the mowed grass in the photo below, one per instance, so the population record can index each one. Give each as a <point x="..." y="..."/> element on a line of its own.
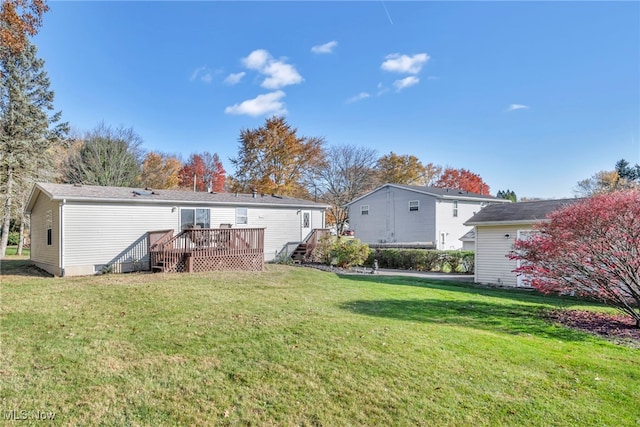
<point x="298" y="346"/>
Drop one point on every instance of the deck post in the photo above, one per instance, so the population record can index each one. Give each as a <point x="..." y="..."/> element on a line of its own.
<point x="188" y="260"/>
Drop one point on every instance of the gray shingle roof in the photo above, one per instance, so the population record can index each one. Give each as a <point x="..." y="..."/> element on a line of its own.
<point x="521" y="212"/>
<point x="139" y="195"/>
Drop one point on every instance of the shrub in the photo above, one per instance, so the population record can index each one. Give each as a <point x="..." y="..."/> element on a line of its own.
<point x="350" y="252"/>
<point x="343" y="252"/>
<point x="14" y="238"/>
<point x="423" y="259"/>
<point x="588" y="248"/>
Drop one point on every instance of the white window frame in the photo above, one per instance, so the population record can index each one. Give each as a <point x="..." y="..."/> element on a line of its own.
<point x="364" y="210"/>
<point x="455" y="208"/>
<point x="184" y="226"/>
<point x="49" y="226"/>
<point x="414" y="205"/>
<point x="242" y="216"/>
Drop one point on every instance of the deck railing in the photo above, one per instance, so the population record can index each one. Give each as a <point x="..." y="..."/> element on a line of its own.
<point x="312" y="241"/>
<point x="211" y="249"/>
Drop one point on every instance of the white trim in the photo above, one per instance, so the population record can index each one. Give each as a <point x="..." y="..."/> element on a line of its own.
<point x="61" y="236"/>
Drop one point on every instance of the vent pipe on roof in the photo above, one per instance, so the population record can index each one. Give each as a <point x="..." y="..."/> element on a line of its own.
<point x="254" y="193"/>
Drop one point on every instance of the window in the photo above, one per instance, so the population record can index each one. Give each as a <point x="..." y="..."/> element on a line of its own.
<point x="414" y="205"/>
<point x="443" y="240"/>
<point x="364" y="210"/>
<point x="455" y="208"/>
<point x="49" y="227"/>
<point x="190" y="218"/>
<point x="306" y="220"/>
<point x="241" y="216"/>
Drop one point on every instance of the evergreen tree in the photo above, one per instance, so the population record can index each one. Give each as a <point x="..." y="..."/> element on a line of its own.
<point x="28" y="128"/>
<point x="507" y="195"/>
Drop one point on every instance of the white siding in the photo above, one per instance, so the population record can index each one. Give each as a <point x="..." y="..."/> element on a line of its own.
<point x="453" y="226"/>
<point x="281" y="224"/>
<point x="111" y="234"/>
<point x="492" y="247"/>
<point x="97" y="234"/>
<point x="45" y="256"/>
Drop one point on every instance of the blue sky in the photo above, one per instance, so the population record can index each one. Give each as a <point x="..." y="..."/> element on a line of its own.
<point x="532" y="96"/>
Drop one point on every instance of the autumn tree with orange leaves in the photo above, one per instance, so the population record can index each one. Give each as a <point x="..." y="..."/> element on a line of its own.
<point x="462" y="179"/>
<point x="19" y="20"/>
<point x="205" y="170"/>
<point x="160" y="171"/>
<point x="273" y="159"/>
<point x="405" y="169"/>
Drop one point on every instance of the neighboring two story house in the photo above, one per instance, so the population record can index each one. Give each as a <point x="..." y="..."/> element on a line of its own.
<point x="428" y="216"/>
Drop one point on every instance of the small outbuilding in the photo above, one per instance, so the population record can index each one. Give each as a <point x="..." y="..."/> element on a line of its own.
<point x="86" y="229"/>
<point x="496" y="228"/>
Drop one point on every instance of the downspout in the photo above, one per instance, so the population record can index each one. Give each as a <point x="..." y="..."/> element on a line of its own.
<point x="61" y="235"/>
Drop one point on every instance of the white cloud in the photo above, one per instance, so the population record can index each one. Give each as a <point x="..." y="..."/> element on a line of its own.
<point x="404" y="63"/>
<point x="358" y="97"/>
<point x="514" y="107"/>
<point x="202" y="74"/>
<point x="405" y="83"/>
<point x="324" y="48"/>
<point x="278" y="73"/>
<point x="256" y="59"/>
<point x="268" y="103"/>
<point x="234" y="78"/>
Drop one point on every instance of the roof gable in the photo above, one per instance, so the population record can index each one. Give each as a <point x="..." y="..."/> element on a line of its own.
<point x="520" y="212"/>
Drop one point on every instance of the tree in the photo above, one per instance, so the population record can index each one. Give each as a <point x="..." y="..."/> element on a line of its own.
<point x="274" y="159"/>
<point x="589" y="248"/>
<point x="600" y="182"/>
<point x="622" y="177"/>
<point x="19" y="19"/>
<point x="106" y="156"/>
<point x="191" y="174"/>
<point x="347" y="173"/>
<point x="627" y="175"/>
<point x="160" y="171"/>
<point x="403" y="169"/>
<point x="507" y="195"/>
<point x="462" y="179"/>
<point x="205" y="170"/>
<point x="215" y="175"/>
<point x="28" y="129"/>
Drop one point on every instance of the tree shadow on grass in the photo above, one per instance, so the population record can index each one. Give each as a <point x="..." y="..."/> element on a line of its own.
<point x="21" y="267"/>
<point x="514" y="319"/>
<point x="517" y="294"/>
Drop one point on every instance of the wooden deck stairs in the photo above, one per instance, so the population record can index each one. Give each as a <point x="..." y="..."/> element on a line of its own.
<point x="304" y="252"/>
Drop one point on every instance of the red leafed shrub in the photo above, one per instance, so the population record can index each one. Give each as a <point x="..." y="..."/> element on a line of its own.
<point x="588" y="248"/>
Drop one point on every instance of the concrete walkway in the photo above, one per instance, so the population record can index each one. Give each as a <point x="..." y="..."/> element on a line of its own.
<point x="412" y="273"/>
<point x="427" y="275"/>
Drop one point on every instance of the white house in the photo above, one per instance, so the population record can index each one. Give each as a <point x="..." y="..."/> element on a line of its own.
<point x="497" y="227"/>
<point x="394" y="213"/>
<point x="78" y="229"/>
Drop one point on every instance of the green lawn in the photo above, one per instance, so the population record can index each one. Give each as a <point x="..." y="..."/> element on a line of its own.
<point x="297" y="346"/>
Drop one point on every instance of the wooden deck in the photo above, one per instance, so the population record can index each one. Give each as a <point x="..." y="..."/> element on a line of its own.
<point x="208" y="249"/>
